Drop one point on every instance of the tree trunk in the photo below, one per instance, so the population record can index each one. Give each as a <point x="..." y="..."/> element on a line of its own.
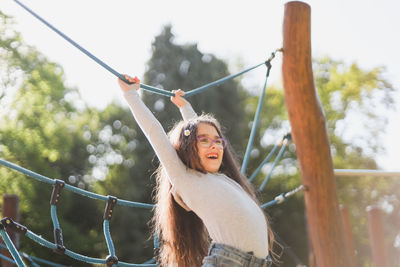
<point x="10" y="209"/>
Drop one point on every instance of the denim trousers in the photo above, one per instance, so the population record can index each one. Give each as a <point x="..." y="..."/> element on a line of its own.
<point x="221" y="255"/>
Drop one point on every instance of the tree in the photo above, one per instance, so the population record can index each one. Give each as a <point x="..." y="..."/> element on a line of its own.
<point x="347" y="93"/>
<point x="352" y="99"/>
<point x="45" y="127"/>
<point x="171" y="66"/>
<point x="175" y="66"/>
<point x="42" y="129"/>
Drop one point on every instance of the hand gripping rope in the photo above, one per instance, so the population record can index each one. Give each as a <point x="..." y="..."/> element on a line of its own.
<point x="144" y="86"/>
<point x="104" y="65"/>
<point x="112" y="260"/>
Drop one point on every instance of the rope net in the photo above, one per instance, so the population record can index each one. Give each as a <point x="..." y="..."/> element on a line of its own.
<point x="111" y="201"/>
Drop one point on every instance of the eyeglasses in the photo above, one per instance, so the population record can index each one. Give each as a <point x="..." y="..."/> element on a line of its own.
<point x="207" y="142"/>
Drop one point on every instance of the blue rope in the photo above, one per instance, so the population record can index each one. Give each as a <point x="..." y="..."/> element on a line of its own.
<point x="44" y="242"/>
<point x="117" y="74"/>
<point x="220" y="81"/>
<point x="83" y="258"/>
<point x="282" y="197"/>
<point x="255" y="173"/>
<point x="72" y="188"/>
<point x="29" y="259"/>
<point x="254" y="128"/>
<point x="33" y="258"/>
<point x="7" y="259"/>
<point x="278" y="157"/>
<point x="54" y="218"/>
<point x="105" y="198"/>
<point x="107" y="235"/>
<point x="34" y="264"/>
<point x="270" y="203"/>
<point x="123" y="264"/>
<point x="27" y="172"/>
<point x="152" y="260"/>
<point x="135" y="204"/>
<point x="263" y="163"/>
<point x="56" y="224"/>
<point x="47" y="262"/>
<point x="104" y="65"/>
<point x="40" y="240"/>
<point x="11" y="248"/>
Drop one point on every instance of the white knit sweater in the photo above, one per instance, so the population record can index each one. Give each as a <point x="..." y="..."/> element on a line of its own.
<point x="228" y="212"/>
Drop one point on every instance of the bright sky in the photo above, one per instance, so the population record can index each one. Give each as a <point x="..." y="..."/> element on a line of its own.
<point x="120" y="33"/>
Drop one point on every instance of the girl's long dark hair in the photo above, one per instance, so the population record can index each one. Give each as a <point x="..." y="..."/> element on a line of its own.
<point x="183" y="237"/>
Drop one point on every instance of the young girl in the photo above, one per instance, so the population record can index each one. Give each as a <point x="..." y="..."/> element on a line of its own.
<point x="201" y="193"/>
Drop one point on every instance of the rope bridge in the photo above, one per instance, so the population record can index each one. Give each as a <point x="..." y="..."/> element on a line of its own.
<point x="111" y="201"/>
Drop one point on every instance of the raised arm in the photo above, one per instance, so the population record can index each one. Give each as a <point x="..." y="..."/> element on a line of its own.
<point x="184" y="106"/>
<point x="153" y="130"/>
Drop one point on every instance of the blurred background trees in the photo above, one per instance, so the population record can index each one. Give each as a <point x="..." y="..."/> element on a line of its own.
<point x="45" y="126"/>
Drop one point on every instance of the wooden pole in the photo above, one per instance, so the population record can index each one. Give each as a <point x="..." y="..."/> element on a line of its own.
<point x="10" y="209"/>
<point x="377" y="240"/>
<point x="311" y="139"/>
<point x="349" y="236"/>
<point x="311" y="254"/>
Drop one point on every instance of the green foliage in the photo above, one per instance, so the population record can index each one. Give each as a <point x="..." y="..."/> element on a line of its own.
<point x="45" y="127"/>
<point x="175" y="66"/>
<point x="351" y="98"/>
<point x="171" y="66"/>
<point x="42" y="130"/>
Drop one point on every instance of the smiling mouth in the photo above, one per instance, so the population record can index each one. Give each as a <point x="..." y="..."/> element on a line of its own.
<point x="212" y="156"/>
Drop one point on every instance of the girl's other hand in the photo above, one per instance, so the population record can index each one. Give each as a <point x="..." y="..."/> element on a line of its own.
<point x="126" y="87"/>
<point x="178" y="99"/>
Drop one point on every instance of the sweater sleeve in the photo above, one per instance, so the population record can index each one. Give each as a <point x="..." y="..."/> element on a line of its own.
<point x="187" y="112"/>
<point x="156" y="135"/>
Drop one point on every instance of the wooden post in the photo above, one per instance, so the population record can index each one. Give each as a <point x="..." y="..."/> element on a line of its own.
<point x="349" y="236"/>
<point x="311" y="256"/>
<point x="310" y="137"/>
<point x="375" y="227"/>
<point x="10" y="209"/>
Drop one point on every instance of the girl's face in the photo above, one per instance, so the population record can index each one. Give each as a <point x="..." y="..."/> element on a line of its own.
<point x="210" y="146"/>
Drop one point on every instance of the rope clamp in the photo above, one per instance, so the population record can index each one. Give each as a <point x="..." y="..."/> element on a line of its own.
<point x="112" y="201"/>
<point x="269" y="66"/>
<point x="111" y="260"/>
<point x="268" y="61"/>
<point x="55" y="195"/>
<point x="15" y="227"/>
<point x="288" y="136"/>
<point x="281" y="198"/>
<point x="58" y="239"/>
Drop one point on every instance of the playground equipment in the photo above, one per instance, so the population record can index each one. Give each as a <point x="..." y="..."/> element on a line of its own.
<point x="308" y="133"/>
